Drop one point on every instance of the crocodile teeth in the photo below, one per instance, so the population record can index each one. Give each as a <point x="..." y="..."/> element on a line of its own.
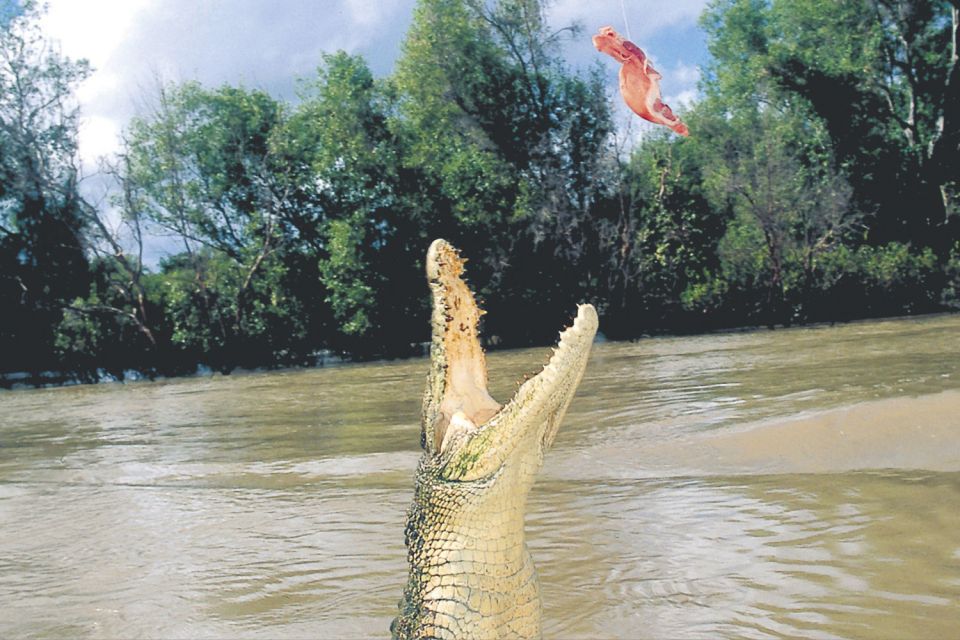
<point x="572" y="336"/>
<point x="459" y="425"/>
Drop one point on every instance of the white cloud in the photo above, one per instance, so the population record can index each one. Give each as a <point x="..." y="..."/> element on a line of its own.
<point x="685" y="74"/>
<point x="94" y="30"/>
<point x="366" y="13"/>
<point x="681" y="101"/>
<point x="91" y="29"/>
<point x="683" y="80"/>
<point x="130" y="43"/>
<point x="98" y="137"/>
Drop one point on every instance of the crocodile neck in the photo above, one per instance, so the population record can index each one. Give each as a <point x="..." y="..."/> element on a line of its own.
<point x="471" y="575"/>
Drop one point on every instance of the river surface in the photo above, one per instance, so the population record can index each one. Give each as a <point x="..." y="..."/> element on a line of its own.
<point x="800" y="483"/>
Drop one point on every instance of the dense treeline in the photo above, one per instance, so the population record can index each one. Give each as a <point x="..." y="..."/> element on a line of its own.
<point x="819" y="183"/>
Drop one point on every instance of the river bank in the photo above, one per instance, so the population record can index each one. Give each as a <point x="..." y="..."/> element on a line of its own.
<point x="44" y="379"/>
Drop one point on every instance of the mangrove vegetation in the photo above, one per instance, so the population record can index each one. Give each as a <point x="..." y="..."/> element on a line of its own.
<point x="819" y="183"/>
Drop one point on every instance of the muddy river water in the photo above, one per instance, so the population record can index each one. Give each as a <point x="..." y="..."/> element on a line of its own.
<point x="800" y="483"/>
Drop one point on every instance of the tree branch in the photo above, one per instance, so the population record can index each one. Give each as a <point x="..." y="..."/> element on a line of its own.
<point x="95" y="309"/>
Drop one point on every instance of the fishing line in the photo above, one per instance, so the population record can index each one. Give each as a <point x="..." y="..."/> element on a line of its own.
<point x="626" y="24"/>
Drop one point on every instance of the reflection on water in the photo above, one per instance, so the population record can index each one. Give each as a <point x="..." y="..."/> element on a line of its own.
<point x="801" y="483"/>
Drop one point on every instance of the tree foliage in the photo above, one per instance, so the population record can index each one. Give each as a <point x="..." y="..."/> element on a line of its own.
<point x="819" y="183"/>
<point x="42" y="260"/>
<point x="880" y="75"/>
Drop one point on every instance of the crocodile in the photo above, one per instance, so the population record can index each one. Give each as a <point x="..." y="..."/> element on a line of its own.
<point x="470" y="573"/>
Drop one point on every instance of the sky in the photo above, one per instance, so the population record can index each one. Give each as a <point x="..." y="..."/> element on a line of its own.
<point x="269" y="44"/>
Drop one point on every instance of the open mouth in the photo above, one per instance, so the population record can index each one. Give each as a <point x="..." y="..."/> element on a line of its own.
<point x="457" y="405"/>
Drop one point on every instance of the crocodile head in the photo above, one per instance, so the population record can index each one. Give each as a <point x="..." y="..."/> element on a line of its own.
<point x="463" y="427"/>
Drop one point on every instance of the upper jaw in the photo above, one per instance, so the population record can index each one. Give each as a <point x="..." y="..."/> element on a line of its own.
<point x="463" y="426"/>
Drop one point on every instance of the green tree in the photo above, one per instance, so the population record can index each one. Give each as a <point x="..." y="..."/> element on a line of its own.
<point x="367" y="224"/>
<point x="118" y="315"/>
<point x="511" y="147"/>
<point x="789" y="203"/>
<point x="662" y="246"/>
<point x="42" y="261"/>
<point x="201" y="168"/>
<point x="883" y="77"/>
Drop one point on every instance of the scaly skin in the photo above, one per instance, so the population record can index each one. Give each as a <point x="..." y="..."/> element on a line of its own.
<point x="471" y="576"/>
